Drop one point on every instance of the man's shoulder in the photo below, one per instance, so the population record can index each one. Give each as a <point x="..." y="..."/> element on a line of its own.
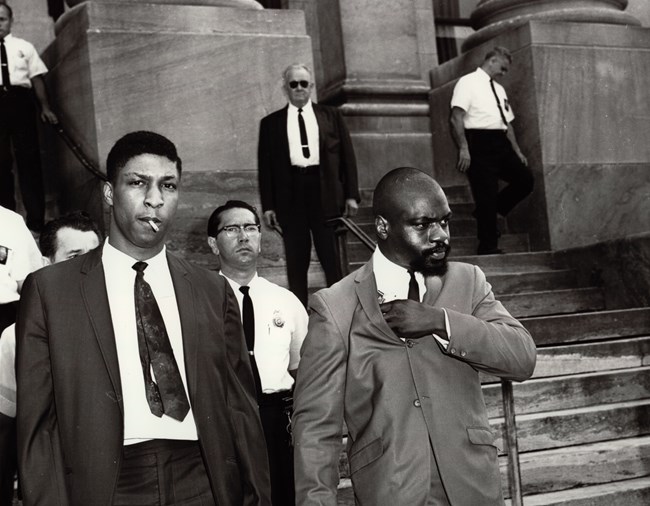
<point x="275" y="114"/>
<point x="278" y="293"/>
<point x="197" y="272"/>
<point x="18" y="41"/>
<point x="341" y="291"/>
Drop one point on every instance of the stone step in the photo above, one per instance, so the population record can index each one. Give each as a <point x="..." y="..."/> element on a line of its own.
<point x="550" y="330"/>
<point x="577" y="390"/>
<point x="552" y="302"/>
<point x="611" y="473"/>
<point x="512" y="262"/>
<point x="593" y="356"/>
<point x="592" y="473"/>
<point x="535" y="281"/>
<point x="359" y="252"/>
<point x="578" y="426"/>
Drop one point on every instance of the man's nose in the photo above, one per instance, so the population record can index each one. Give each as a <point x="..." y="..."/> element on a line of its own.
<point x="438" y="233"/>
<point x="153" y="197"/>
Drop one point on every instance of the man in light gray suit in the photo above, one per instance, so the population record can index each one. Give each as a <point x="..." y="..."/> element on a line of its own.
<point x="395" y="350"/>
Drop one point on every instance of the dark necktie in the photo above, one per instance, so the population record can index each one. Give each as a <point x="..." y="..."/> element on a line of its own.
<point x="4" y="61"/>
<point x="414" y="289"/>
<point x="503" y="116"/>
<point x="303" y="135"/>
<point x="248" y="321"/>
<point x="166" y="394"/>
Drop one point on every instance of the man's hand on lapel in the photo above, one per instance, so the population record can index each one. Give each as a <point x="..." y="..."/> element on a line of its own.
<point x="412" y="320"/>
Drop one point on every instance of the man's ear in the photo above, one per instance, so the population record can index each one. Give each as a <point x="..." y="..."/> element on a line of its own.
<point x="212" y="242"/>
<point x="381" y="227"/>
<point x="107" y="191"/>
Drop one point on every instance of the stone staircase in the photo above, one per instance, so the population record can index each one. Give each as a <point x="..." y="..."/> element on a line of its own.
<point x="584" y="418"/>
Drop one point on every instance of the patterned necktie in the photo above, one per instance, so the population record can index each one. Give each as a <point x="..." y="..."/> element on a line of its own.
<point x="4" y="61"/>
<point x="503" y="116"/>
<point x="303" y="135"/>
<point x="248" y="322"/>
<point x="166" y="394"/>
<point x="414" y="289"/>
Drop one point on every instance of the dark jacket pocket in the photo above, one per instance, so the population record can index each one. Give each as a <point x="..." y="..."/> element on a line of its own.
<point x="481" y="436"/>
<point x="366" y="455"/>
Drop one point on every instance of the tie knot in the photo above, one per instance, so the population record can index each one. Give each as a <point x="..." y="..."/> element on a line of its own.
<point x="244" y="289"/>
<point x="299" y="110"/>
<point x="140" y="266"/>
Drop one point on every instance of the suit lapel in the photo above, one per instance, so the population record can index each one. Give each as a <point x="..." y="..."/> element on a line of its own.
<point x="321" y="120"/>
<point x="185" y="301"/>
<point x="93" y="290"/>
<point x="367" y="294"/>
<point x="283" y="134"/>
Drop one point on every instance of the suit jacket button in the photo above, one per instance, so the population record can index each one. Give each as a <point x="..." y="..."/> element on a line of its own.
<point x="409" y="343"/>
<point x="452" y="351"/>
<point x="463" y="353"/>
<point x="417" y="403"/>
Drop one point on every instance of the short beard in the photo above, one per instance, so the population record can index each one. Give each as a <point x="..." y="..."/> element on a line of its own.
<point x="429" y="266"/>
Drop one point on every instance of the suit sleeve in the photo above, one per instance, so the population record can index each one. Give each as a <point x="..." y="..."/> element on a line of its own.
<point x="490" y="339"/>
<point x="348" y="170"/>
<point x="40" y="459"/>
<point x="244" y="414"/>
<point x="265" y="165"/>
<point x="318" y="409"/>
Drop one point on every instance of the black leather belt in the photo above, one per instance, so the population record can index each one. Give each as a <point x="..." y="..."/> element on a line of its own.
<point x="309" y="169"/>
<point x="282" y="398"/>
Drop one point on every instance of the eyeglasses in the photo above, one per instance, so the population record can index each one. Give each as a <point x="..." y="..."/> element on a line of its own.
<point x="249" y="229"/>
<point x="294" y="84"/>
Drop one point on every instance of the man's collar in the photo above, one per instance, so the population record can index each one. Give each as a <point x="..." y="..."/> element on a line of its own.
<point x="385" y="266"/>
<point x="235" y="285"/>
<point x="483" y="73"/>
<point x="307" y="107"/>
<point x="114" y="255"/>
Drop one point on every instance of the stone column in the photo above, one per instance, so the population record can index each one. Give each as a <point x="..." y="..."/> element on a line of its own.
<point x="492" y="17"/>
<point x="579" y="90"/>
<point x="373" y="58"/>
<point x="202" y="75"/>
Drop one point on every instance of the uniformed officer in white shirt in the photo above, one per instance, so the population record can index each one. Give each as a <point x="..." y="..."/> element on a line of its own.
<point x="278" y="322"/>
<point x="481" y="119"/>
<point x="22" y="72"/>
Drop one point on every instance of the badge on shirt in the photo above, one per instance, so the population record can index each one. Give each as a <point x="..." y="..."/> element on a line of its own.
<point x="4" y="255"/>
<point x="278" y="321"/>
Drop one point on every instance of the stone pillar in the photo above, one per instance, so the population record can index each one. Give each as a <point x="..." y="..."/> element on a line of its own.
<point x="202" y="75"/>
<point x="492" y="17"/>
<point x="374" y="61"/>
<point x="582" y="103"/>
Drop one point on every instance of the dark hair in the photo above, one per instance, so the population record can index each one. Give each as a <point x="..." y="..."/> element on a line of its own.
<point x="77" y="220"/>
<point x="215" y="218"/>
<point x="500" y="52"/>
<point x="9" y="9"/>
<point x="139" y="143"/>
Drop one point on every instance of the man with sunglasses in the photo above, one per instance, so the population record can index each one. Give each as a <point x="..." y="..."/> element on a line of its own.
<point x="307" y="174"/>
<point x="487" y="147"/>
<point x="275" y="324"/>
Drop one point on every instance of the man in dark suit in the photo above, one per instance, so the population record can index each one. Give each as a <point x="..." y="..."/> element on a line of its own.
<point x="134" y="386"/>
<point x="307" y="174"/>
<point x="395" y="350"/>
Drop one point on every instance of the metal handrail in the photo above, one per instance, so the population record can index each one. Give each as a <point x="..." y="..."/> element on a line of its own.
<point x="78" y="152"/>
<point x="514" y="468"/>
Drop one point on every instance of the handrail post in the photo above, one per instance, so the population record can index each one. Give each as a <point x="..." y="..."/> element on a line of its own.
<point x="514" y="471"/>
<point x="342" y="246"/>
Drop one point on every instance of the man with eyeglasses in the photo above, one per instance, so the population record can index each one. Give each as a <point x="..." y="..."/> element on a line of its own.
<point x="307" y="174"/>
<point x="275" y="324"/>
<point x="487" y="147"/>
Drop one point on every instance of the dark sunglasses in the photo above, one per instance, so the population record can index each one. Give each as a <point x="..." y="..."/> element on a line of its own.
<point x="294" y="84"/>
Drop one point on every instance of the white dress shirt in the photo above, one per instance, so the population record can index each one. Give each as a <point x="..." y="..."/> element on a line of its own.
<point x="280" y="328"/>
<point x="139" y="423"/>
<point x="19" y="255"/>
<point x="293" y="134"/>
<point x="24" y="62"/>
<point x="473" y="94"/>
<point x="8" y="371"/>
<point x="393" y="284"/>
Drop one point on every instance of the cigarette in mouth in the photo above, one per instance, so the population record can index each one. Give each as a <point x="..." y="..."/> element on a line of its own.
<point x="153" y="225"/>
